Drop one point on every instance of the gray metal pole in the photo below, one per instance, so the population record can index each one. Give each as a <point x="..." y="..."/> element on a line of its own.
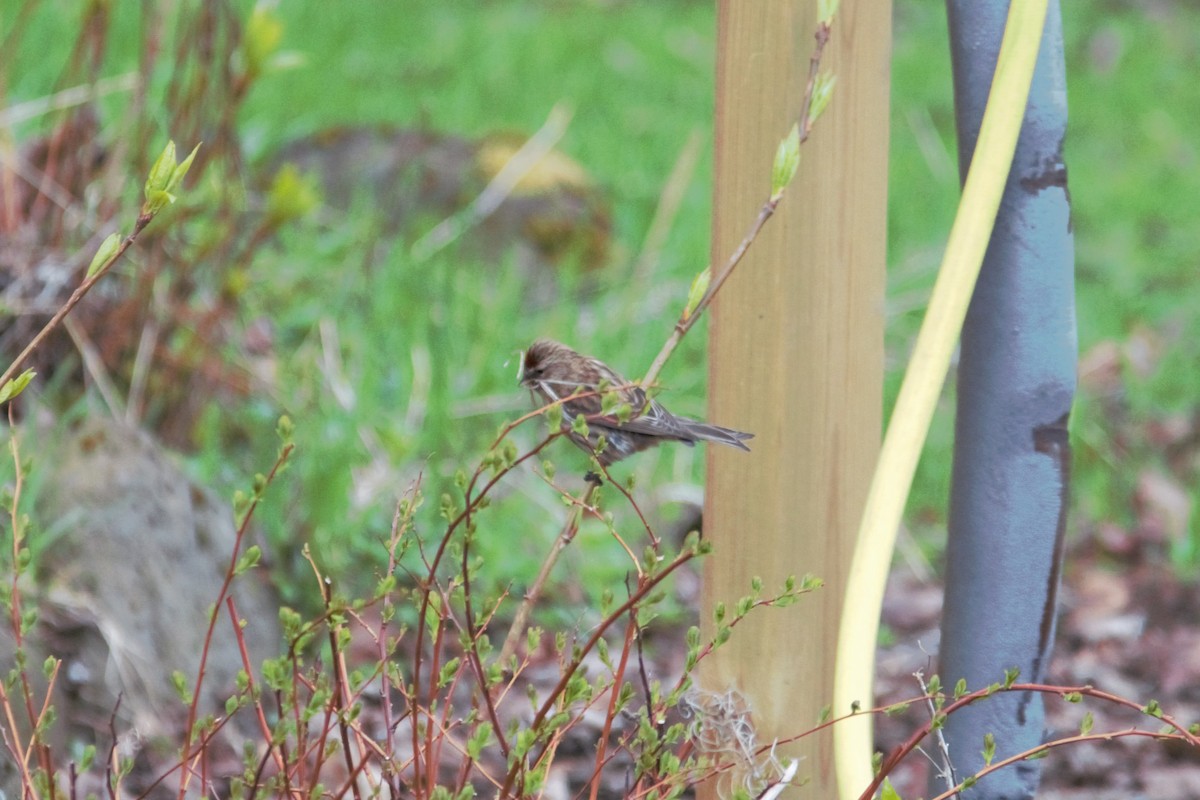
<point x="1016" y="381"/>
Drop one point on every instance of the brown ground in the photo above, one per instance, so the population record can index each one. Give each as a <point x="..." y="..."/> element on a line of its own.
<point x="1127" y="626"/>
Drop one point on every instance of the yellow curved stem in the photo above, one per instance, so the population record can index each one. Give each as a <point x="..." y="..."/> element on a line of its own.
<point x="922" y="384"/>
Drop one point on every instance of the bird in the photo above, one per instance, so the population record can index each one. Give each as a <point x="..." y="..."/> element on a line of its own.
<point x="555" y="372"/>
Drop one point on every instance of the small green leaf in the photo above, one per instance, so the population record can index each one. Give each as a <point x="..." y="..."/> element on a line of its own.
<point x="579" y="425"/>
<point x="822" y="93"/>
<point x="1085" y="726"/>
<point x="609" y="400"/>
<point x="15" y="386"/>
<point x="449" y="669"/>
<point x="1010" y="676"/>
<point x="787" y="159"/>
<point x="723" y="634"/>
<point x="989" y="748"/>
<point x="433" y="615"/>
<point x="104" y="254"/>
<point x="181" y="170"/>
<point x="261" y="38"/>
<point x="960" y="688"/>
<point x="88" y="757"/>
<point x="826" y="9"/>
<point x="889" y="792"/>
<point x="697" y="291"/>
<point x="163" y="179"/>
<point x="160" y="173"/>
<point x="479" y="740"/>
<point x="248" y="560"/>
<point x="292" y="195"/>
<point x="179" y="681"/>
<point x="156" y="201"/>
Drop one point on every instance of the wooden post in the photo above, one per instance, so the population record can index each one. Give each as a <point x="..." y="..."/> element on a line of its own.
<point x="796" y="351"/>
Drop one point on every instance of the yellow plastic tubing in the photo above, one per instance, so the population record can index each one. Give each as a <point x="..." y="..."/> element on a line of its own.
<point x="922" y="384"/>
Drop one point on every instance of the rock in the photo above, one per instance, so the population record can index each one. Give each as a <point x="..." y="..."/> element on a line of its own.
<point x="136" y="558"/>
<point x="415" y="178"/>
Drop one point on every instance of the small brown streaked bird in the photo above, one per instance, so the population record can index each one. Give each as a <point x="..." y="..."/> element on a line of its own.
<point x="554" y="371"/>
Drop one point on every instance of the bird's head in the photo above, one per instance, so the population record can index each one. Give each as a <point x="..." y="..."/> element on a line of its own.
<point x="539" y="359"/>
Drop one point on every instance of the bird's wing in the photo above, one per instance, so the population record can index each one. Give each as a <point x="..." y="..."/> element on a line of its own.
<point x="656" y="421"/>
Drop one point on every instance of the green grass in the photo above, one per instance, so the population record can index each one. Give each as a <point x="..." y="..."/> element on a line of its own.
<point x="496" y="68"/>
<point x="639" y="78"/>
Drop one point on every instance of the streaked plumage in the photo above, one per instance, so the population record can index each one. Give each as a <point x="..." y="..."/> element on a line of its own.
<point x="554" y="371"/>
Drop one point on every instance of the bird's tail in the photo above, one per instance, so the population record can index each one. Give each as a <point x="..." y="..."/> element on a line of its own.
<point x="702" y="431"/>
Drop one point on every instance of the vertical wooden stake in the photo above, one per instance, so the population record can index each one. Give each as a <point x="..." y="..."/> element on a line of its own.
<point x="796" y="351"/>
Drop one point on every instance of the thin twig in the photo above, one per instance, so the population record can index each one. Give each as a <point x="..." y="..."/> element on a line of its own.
<point x="534" y="592"/>
<point x="473" y="638"/>
<point x="16" y="618"/>
<point x="147" y="343"/>
<point x="655" y="542"/>
<point x="223" y="592"/>
<point x="1025" y="755"/>
<point x="263" y="726"/>
<point x="568" y="672"/>
<point x="805" y="122"/>
<point x="94" y="365"/>
<point x="946" y="768"/>
<point x="903" y="750"/>
<point x="686" y="321"/>
<point x="432" y="566"/>
<point x="112" y="765"/>
<point x="341" y="694"/>
<point x="80" y="291"/>
<point x="631" y="631"/>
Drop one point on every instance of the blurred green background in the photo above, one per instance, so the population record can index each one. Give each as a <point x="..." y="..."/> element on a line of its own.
<point x="393" y="367"/>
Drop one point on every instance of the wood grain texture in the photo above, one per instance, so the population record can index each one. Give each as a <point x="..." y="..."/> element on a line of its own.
<point x="796" y="350"/>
